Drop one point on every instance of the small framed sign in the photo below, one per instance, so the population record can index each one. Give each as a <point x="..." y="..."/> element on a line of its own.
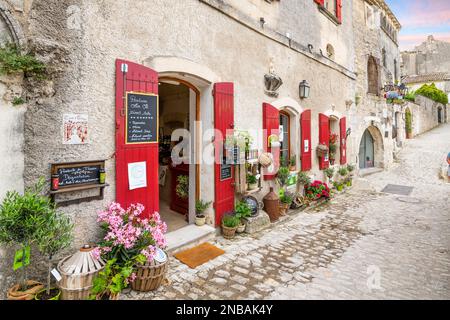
<point x="225" y="172"/>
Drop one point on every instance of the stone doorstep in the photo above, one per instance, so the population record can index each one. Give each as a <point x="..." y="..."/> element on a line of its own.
<point x="369" y="171"/>
<point x="188" y="237"/>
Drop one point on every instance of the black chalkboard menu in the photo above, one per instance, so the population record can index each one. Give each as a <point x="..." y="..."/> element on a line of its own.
<point x="225" y="172"/>
<point x="141" y="118"/>
<point x="78" y="173"/>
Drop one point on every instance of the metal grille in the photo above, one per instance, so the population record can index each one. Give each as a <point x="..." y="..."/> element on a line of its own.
<point x="398" y="189"/>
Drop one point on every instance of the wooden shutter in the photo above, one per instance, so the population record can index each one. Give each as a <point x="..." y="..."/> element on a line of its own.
<point x="339" y="10"/>
<point x="223" y="122"/>
<point x="343" y="137"/>
<point x="305" y="126"/>
<point x="324" y="138"/>
<point x="137" y="79"/>
<point x="271" y="125"/>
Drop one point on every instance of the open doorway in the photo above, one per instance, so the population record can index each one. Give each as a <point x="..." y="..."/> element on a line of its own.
<point x="366" y="151"/>
<point x="334" y="140"/>
<point x="177" y="181"/>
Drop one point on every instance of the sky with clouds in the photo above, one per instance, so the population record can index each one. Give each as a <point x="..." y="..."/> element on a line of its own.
<point x="420" y="18"/>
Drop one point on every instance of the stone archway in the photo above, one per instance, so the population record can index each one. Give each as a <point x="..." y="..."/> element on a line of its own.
<point x="10" y="29"/>
<point x="371" y="149"/>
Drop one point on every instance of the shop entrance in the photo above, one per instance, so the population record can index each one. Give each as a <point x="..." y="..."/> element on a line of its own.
<point x="179" y="102"/>
<point x="366" y="151"/>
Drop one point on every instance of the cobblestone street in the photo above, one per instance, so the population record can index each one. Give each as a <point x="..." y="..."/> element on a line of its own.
<point x="364" y="244"/>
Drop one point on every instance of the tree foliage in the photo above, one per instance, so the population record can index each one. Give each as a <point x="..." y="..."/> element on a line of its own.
<point x="435" y="94"/>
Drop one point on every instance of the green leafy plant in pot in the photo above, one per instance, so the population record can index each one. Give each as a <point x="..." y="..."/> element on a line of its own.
<point x="19" y="223"/>
<point x="252" y="181"/>
<point x="329" y="173"/>
<point x="53" y="236"/>
<point x="200" y="208"/>
<point x="230" y="224"/>
<point x="285" y="202"/>
<point x="283" y="176"/>
<point x="303" y="179"/>
<point x="293" y="163"/>
<point x="242" y="211"/>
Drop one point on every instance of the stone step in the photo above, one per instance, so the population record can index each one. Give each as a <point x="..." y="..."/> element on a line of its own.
<point x="369" y="171"/>
<point x="188" y="237"/>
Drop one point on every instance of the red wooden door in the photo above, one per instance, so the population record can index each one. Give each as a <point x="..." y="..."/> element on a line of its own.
<point x="306" y="154"/>
<point x="343" y="137"/>
<point x="271" y="125"/>
<point x="136" y="78"/>
<point x="224" y="124"/>
<point x="324" y="138"/>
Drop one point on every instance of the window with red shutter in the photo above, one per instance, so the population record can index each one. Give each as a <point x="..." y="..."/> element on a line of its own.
<point x="324" y="138"/>
<point x="343" y="138"/>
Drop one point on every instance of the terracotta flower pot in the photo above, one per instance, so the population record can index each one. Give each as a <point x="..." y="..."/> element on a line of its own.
<point x="14" y="293"/>
<point x="228" y="233"/>
<point x="241" y="228"/>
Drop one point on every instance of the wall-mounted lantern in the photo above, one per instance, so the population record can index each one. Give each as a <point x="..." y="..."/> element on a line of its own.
<point x="304" y="89"/>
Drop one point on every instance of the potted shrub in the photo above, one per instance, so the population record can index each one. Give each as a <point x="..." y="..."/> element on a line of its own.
<point x="283" y="176"/>
<point x="130" y="244"/>
<point x="18" y="226"/>
<point x="252" y="181"/>
<point x="53" y="236"/>
<point x="230" y="224"/>
<point x="242" y="211"/>
<point x="293" y="163"/>
<point x="350" y="169"/>
<point x="200" y="208"/>
<point x="329" y="173"/>
<point x="302" y="180"/>
<point x="343" y="172"/>
<point x="285" y="202"/>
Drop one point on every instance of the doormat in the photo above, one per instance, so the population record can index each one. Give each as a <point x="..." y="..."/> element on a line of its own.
<point x="398" y="189"/>
<point x="199" y="255"/>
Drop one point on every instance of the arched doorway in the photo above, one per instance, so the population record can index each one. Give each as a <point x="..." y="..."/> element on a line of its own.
<point x="367" y="151"/>
<point x="408" y="123"/>
<point x="179" y="110"/>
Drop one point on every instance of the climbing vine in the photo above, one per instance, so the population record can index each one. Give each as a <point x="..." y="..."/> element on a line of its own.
<point x="12" y="61"/>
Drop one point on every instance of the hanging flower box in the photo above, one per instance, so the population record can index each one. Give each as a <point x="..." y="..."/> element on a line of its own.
<point x="322" y="150"/>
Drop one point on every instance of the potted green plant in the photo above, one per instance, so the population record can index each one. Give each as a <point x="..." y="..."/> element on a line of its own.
<point x="19" y="215"/>
<point x="293" y="163"/>
<point x="285" y="202"/>
<point x="242" y="210"/>
<point x="252" y="181"/>
<point x="230" y="224"/>
<point x="53" y="236"/>
<point x="200" y="208"/>
<point x="340" y="186"/>
<point x="303" y="179"/>
<point x="343" y="172"/>
<point x="182" y="188"/>
<point x="283" y="176"/>
<point x="332" y="150"/>
<point x="110" y="282"/>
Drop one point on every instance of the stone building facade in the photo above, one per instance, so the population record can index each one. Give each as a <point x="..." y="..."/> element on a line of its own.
<point x="193" y="49"/>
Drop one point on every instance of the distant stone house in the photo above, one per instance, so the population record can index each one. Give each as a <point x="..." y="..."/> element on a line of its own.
<point x="440" y="79"/>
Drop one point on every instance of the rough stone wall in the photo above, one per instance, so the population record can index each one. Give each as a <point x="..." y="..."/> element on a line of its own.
<point x="429" y="57"/>
<point x="424" y="114"/>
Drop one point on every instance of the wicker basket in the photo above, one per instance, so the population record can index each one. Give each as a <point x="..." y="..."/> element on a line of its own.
<point x="322" y="150"/>
<point x="78" y="272"/>
<point x="228" y="233"/>
<point x="150" y="276"/>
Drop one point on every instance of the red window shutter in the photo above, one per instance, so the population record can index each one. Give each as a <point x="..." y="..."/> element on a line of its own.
<point x="138" y="78"/>
<point x="343" y="137"/>
<point x="339" y="10"/>
<point x="271" y="125"/>
<point x="305" y="125"/>
<point x="223" y="122"/>
<point x="320" y="2"/>
<point x="324" y="138"/>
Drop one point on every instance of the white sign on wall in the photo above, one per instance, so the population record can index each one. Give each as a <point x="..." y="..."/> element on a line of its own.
<point x="306" y="142"/>
<point x="137" y="175"/>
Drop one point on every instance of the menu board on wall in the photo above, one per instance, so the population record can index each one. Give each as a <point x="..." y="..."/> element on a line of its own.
<point x="81" y="173"/>
<point x="141" y="118"/>
<point x="225" y="172"/>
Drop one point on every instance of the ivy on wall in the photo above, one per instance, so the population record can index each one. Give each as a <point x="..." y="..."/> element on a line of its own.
<point x="12" y="61"/>
<point x="435" y="94"/>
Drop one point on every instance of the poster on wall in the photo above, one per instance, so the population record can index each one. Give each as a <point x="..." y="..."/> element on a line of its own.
<point x="137" y="175"/>
<point x="75" y="129"/>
